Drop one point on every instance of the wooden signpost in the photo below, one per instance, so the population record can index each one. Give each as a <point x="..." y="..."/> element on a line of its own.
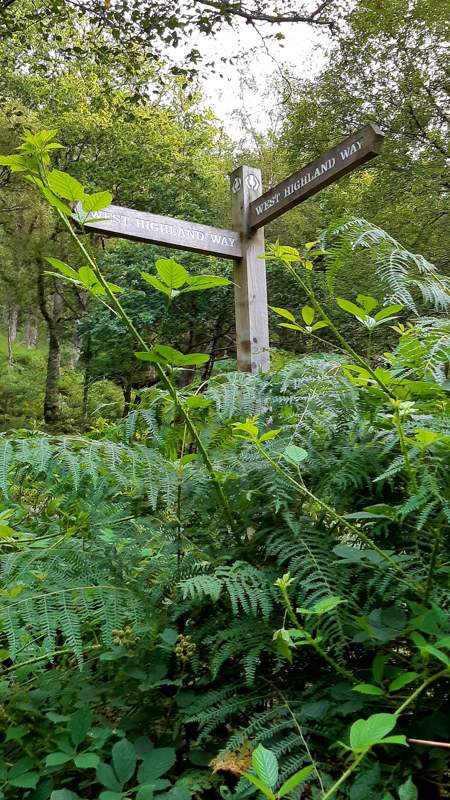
<point x="251" y="210"/>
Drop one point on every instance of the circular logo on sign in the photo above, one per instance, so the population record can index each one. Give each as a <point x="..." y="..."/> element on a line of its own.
<point x="237" y="183"/>
<point x="252" y="181"/>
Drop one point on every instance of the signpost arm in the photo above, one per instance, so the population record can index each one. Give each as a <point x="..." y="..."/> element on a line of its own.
<point x="252" y="325"/>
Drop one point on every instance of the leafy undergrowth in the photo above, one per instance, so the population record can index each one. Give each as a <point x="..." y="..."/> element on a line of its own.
<point x="143" y="628"/>
<point x="22" y="388"/>
<point x="239" y="591"/>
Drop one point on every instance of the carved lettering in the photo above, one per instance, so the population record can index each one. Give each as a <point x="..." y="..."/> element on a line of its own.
<point x="349" y="151"/>
<point x="338" y="161"/>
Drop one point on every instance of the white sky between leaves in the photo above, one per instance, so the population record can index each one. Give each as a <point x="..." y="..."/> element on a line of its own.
<point x="303" y="52"/>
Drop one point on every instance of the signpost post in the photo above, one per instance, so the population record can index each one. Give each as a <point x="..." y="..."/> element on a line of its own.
<point x="244" y="245"/>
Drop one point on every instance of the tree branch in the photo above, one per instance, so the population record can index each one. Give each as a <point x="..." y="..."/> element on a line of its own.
<point x="313" y="18"/>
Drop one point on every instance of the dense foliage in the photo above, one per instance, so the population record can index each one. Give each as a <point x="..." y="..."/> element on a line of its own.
<point x="242" y="587"/>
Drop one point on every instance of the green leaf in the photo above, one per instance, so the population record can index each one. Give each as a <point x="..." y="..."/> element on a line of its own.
<point x="198" y="283"/>
<point x="124" y="760"/>
<point x="156" y="763"/>
<point x="21" y="766"/>
<point x="259" y="785"/>
<point x="368" y="688"/>
<point x="351" y="308"/>
<point x="96" y="202"/>
<point x="156" y="283"/>
<point x="295" y="454"/>
<point x="57" y="759"/>
<point x="20" y="163"/>
<point x="79" y="725"/>
<point x="270" y="435"/>
<point x="292" y="326"/>
<point x="294" y="780"/>
<point x="286" y="253"/>
<point x="408" y="791"/>
<point x="367" y="302"/>
<point x="64" y="185"/>
<point x="265" y="764"/>
<point x="63" y="268"/>
<point x="308" y="315"/>
<point x="327" y="604"/>
<point x="111" y="796"/>
<point x="283" y="312"/>
<point x="366" y="732"/>
<point x="6" y="532"/>
<point x="89" y="279"/>
<point x="56" y="202"/>
<point x="387" y="312"/>
<point x="400" y="739"/>
<point x="196" y="401"/>
<point x="179" y="793"/>
<point x="26" y="781"/>
<point x="434" y="651"/>
<point x="402" y="680"/>
<point x="171" y="273"/>
<point x="106" y="776"/>
<point x="63" y="794"/>
<point x="113" y="287"/>
<point x="87" y="760"/>
<point x="194" y="359"/>
<point x="427" y="437"/>
<point x="247" y="427"/>
<point x="179" y="359"/>
<point x="318" y="325"/>
<point x="16" y="732"/>
<point x="378" y="666"/>
<point x="145" y="792"/>
<point x="151" y="356"/>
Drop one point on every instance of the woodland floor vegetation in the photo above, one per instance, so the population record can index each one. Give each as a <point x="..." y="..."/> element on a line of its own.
<point x="216" y="584"/>
<point x="240" y="588"/>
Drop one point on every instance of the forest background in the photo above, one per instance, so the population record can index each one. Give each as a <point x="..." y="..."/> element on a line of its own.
<point x="216" y="584"/>
<point x="134" y="121"/>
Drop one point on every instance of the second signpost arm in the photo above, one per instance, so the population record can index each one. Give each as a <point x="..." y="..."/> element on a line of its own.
<point x="252" y="326"/>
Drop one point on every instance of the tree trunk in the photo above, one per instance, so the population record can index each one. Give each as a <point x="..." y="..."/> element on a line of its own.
<point x="77" y="346"/>
<point x="51" y="400"/>
<point x="31" y="331"/>
<point x="53" y="318"/>
<point x="11" y="317"/>
<point x="127" y="389"/>
<point x="86" y="382"/>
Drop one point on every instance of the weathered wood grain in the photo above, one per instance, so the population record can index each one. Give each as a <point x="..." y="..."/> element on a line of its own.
<point x="140" y="226"/>
<point x="252" y="325"/>
<point x="336" y="162"/>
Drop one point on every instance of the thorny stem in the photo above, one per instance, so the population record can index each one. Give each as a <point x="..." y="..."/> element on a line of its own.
<point x="432" y="567"/>
<point x="331" y="513"/>
<point x="345" y="774"/>
<point x="404" y="450"/>
<point x="310" y="639"/>
<point x="332" y="791"/>
<point x="303" y="740"/>
<point x="46" y="657"/>
<point x="420" y="689"/>
<point x="345" y="345"/>
<point x="165" y="380"/>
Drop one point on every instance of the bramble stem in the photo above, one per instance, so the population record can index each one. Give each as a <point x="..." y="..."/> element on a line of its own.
<point x="332" y="791"/>
<point x="310" y="639"/>
<point x="331" y="513"/>
<point x="165" y="380"/>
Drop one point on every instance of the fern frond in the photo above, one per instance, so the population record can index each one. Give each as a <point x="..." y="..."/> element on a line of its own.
<point x="404" y="275"/>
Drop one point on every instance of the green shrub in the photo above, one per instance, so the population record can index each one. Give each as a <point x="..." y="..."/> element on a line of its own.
<point x="245" y="590"/>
